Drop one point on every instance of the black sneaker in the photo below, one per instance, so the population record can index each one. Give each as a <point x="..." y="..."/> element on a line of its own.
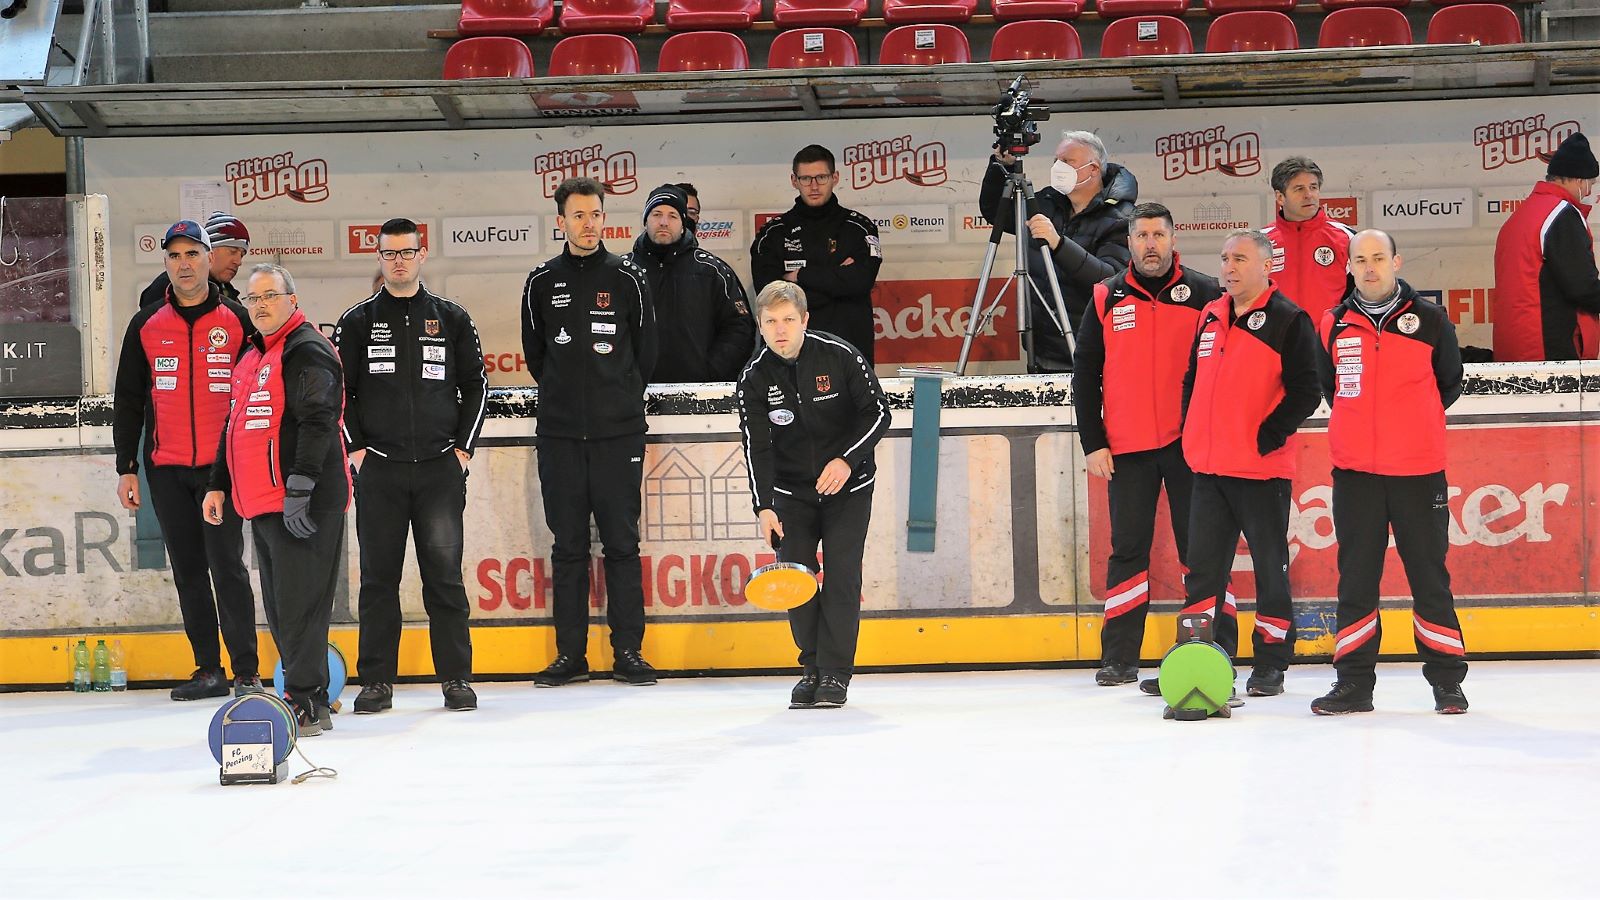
<point x="305" y="714"/>
<point x="1345" y="698"/>
<point x="374" y="698"/>
<point x="458" y="695"/>
<point x="202" y="684"/>
<point x="832" y="692"/>
<point x="247" y="684"/>
<point x="1151" y="686"/>
<point x="324" y="715"/>
<point x="1264" y="681"/>
<point x="804" y="695"/>
<point x="565" y="670"/>
<point x="1448" y="700"/>
<point x="630" y="667"/>
<point x="1116" y="673"/>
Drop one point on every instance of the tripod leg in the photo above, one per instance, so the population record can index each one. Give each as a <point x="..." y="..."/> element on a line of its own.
<point x="973" y="320"/>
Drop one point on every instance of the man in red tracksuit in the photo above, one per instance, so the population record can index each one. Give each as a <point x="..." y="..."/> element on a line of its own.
<point x="172" y="391"/>
<point x="282" y="464"/>
<point x="1546" y="289"/>
<point x="1390" y="366"/>
<point x="1309" y="249"/>
<point x="1133" y="351"/>
<point x="1252" y="380"/>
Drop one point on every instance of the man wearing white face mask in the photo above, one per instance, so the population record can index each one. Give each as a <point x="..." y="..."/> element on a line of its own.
<point x="1547" y="290"/>
<point x="1083" y="219"/>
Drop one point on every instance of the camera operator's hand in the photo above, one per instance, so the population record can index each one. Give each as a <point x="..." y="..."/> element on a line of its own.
<point x="1004" y="157"/>
<point x="1044" y="229"/>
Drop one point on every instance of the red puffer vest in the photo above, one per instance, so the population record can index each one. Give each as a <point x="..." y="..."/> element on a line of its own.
<point x="190" y="368"/>
<point x="254" y="425"/>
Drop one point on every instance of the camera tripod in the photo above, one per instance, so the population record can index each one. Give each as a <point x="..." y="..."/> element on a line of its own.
<point x="1020" y="194"/>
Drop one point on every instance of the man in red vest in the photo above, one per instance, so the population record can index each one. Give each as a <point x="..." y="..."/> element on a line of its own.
<point x="1546" y="289"/>
<point x="1308" y="248"/>
<point x="282" y="460"/>
<point x="172" y="391"/>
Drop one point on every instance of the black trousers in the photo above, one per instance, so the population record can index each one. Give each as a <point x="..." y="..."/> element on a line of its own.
<point x="1133" y="491"/>
<point x="298" y="578"/>
<point x="825" y="627"/>
<point x="427" y="500"/>
<point x="600" y="478"/>
<point x="1365" y="507"/>
<point x="203" y="556"/>
<point x="1222" y="508"/>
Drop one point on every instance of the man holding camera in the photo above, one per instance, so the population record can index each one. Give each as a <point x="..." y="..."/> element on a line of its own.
<point x="1083" y="218"/>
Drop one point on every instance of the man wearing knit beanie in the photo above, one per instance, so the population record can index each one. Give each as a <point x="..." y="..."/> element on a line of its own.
<point x="1547" y="291"/>
<point x="230" y="240"/>
<point x="707" y="332"/>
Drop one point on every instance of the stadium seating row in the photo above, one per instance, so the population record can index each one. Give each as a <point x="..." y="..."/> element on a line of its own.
<point x="920" y="45"/>
<point x="531" y="17"/>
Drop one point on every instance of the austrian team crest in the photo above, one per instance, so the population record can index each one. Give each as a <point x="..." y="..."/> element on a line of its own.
<point x="1256" y="320"/>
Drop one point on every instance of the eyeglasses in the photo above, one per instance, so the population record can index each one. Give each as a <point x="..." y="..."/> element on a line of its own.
<point x="814" y="179"/>
<point x="409" y="253"/>
<point x="269" y="296"/>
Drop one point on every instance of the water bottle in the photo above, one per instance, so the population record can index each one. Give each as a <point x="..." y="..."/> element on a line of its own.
<point x="119" y="667"/>
<point x="102" y="667"/>
<point x="80" y="667"/>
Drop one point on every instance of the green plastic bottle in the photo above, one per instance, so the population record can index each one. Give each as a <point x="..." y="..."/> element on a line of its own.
<point x="80" y="667"/>
<point x="102" y="667"/>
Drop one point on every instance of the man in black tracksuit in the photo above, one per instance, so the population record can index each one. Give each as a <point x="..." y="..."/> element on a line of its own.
<point x="831" y="251"/>
<point x="707" y="333"/>
<point x="1127" y="386"/>
<point x="1082" y="217"/>
<point x="415" y="391"/>
<point x="811" y="413"/>
<point x="1390" y="366"/>
<point x="172" y="389"/>
<point x="589" y="336"/>
<point x="281" y="464"/>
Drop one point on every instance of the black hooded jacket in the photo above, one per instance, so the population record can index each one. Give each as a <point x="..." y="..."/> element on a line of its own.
<point x="706" y="332"/>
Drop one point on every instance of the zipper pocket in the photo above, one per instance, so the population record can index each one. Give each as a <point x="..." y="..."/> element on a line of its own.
<point x="272" y="463"/>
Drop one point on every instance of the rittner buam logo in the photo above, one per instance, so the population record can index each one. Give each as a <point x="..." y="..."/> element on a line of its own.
<point x="1209" y="150"/>
<point x="1432" y="208"/>
<point x="268" y="177"/>
<point x="619" y="171"/>
<point x="897" y="159"/>
<point x="1520" y="140"/>
<point x="491" y="236"/>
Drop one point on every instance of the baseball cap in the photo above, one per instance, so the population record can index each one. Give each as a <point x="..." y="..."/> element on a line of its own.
<point x="187" y="229"/>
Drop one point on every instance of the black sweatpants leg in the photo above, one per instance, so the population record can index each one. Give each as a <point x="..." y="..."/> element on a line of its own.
<point x="826" y="628"/>
<point x="1213" y="536"/>
<point x="602" y="478"/>
<point x="299" y="578"/>
<point x="1132" y="492"/>
<point x="1420" y="514"/>
<point x="1221" y="509"/>
<point x="208" y="569"/>
<point x="427" y="498"/>
<point x="1361" y="524"/>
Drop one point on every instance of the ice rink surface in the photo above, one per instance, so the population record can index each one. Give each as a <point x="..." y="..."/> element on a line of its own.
<point x="981" y="785"/>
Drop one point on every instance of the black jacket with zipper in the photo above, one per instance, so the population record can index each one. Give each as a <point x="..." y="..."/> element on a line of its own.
<point x="707" y="332"/>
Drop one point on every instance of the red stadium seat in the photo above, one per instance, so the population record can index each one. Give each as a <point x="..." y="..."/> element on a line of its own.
<point x="1220" y="7"/>
<point x="703" y="51"/>
<point x="1166" y="36"/>
<point x="594" y="54"/>
<point x="606" y="16"/>
<point x="924" y="12"/>
<point x="924" y="45"/>
<point x="1014" y="10"/>
<point x="1374" y="26"/>
<point x="1485" y="23"/>
<point x="1331" y="5"/>
<point x="1252" y="32"/>
<point x="1116" y="9"/>
<point x="812" y="48"/>
<point x="699" y="15"/>
<point x="504" y="17"/>
<point x="836" y="13"/>
<point x="1036" y="40"/>
<point x="488" y="57"/>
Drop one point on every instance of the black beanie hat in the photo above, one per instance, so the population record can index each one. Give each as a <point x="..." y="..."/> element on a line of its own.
<point x="1573" y="159"/>
<point x="671" y="195"/>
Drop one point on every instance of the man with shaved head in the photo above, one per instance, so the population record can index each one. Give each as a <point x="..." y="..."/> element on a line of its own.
<point x="1390" y="366"/>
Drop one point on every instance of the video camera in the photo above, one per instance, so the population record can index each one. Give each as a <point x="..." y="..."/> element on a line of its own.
<point x="1016" y="120"/>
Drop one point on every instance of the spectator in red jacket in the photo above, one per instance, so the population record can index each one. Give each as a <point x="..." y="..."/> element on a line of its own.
<point x="1547" y="292"/>
<point x="1309" y="250"/>
<point x="1389" y="366"/>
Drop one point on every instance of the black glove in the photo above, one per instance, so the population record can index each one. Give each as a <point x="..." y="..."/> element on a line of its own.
<point x="297" y="506"/>
<point x="1267" y="442"/>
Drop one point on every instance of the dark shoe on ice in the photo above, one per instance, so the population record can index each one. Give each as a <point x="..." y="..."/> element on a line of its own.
<point x="631" y="668"/>
<point x="458" y="695"/>
<point x="1151" y="686"/>
<point x="1116" y="673"/>
<point x="1265" y="681"/>
<point x="305" y="714"/>
<point x="832" y="691"/>
<point x="804" y="695"/>
<point x="202" y="684"/>
<point x="247" y="684"/>
<point x="374" y="698"/>
<point x="1345" y="698"/>
<point x="565" y="670"/>
<point x="1449" y="700"/>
